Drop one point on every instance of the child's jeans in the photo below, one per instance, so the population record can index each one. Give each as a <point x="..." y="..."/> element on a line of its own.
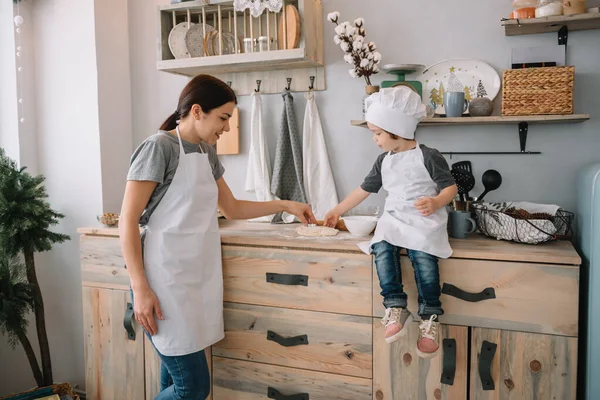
<point x="427" y="278"/>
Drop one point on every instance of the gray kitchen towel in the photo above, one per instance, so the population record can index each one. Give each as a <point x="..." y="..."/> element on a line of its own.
<point x="286" y="182"/>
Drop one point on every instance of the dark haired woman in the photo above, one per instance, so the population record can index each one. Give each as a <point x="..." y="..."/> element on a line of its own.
<point x="174" y="185"/>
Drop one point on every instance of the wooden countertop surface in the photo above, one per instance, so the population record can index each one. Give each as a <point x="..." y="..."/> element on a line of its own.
<point x="476" y="246"/>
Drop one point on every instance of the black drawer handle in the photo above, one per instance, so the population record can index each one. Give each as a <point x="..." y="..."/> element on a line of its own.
<point x="287" y="342"/>
<point x="486" y="357"/>
<point x="286" y="279"/>
<point x="451" y="290"/>
<point x="448" y="361"/>
<point x="128" y="322"/>
<point x="274" y="394"/>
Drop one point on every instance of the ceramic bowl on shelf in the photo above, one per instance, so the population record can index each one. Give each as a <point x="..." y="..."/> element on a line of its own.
<point x="360" y="225"/>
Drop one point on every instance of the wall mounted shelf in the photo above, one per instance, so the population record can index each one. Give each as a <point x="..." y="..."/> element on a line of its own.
<point x="522" y="121"/>
<point x="494" y="120"/>
<point x="578" y="22"/>
<point x="303" y="59"/>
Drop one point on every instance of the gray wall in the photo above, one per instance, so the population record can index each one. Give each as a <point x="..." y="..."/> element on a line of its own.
<point x="422" y="32"/>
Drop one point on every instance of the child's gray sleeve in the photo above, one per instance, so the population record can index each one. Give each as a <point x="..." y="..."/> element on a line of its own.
<point x="372" y="182"/>
<point x="437" y="167"/>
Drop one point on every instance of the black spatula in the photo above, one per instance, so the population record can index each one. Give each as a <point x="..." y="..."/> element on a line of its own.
<point x="464" y="165"/>
<point x="464" y="180"/>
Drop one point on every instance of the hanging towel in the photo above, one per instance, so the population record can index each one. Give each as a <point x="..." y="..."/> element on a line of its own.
<point x="318" y="179"/>
<point x="258" y="174"/>
<point x="287" y="169"/>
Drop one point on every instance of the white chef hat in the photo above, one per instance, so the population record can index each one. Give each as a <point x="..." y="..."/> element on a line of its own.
<point x="396" y="110"/>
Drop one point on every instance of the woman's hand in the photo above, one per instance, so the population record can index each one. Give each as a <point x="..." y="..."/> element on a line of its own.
<point x="302" y="211"/>
<point x="146" y="305"/>
<point x="331" y="219"/>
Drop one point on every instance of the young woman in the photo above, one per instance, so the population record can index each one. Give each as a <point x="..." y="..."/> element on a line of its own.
<point x="174" y="186"/>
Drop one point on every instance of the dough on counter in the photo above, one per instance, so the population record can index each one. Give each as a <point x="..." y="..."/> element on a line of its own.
<point x="316" y="231"/>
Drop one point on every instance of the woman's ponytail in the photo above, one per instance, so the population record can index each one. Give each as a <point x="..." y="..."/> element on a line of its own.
<point x="170" y="123"/>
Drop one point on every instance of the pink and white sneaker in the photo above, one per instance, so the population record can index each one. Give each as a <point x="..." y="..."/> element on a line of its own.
<point x="427" y="344"/>
<point x="394" y="322"/>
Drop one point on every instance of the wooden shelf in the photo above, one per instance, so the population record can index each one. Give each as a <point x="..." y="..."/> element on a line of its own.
<point x="245" y="62"/>
<point x="530" y="26"/>
<point x="494" y="120"/>
<point x="302" y="61"/>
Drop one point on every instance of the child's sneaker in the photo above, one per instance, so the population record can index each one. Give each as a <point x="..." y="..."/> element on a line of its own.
<point x="427" y="344"/>
<point x="394" y="322"/>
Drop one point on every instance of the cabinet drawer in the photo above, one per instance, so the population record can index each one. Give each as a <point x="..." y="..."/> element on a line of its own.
<point x="541" y="298"/>
<point x="245" y="380"/>
<point x="308" y="280"/>
<point x="335" y="343"/>
<point x="102" y="264"/>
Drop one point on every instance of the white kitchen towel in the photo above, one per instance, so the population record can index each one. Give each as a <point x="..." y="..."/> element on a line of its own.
<point x="319" y="185"/>
<point x="258" y="174"/>
<point x="287" y="178"/>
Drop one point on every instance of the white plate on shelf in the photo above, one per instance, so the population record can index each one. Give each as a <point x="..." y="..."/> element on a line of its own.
<point x="177" y="40"/>
<point x="194" y="39"/>
<point x="465" y="74"/>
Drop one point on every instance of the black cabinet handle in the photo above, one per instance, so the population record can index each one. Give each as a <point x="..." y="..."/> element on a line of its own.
<point x="286" y="279"/>
<point x="486" y="356"/>
<point x="128" y="322"/>
<point x="274" y="394"/>
<point x="287" y="342"/>
<point x="451" y="290"/>
<point x="448" y="361"/>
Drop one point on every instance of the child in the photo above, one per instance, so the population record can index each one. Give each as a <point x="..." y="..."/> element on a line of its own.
<point x="419" y="185"/>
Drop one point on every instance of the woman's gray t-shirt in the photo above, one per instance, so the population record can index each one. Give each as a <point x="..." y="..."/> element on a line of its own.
<point x="156" y="160"/>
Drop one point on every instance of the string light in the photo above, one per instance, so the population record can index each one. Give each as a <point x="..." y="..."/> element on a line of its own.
<point x="19" y="20"/>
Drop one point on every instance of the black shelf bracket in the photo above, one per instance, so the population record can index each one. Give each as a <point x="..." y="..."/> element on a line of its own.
<point x="523" y="130"/>
<point x="563" y="35"/>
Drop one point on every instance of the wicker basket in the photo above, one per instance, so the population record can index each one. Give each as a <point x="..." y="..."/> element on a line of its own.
<point x="538" y="91"/>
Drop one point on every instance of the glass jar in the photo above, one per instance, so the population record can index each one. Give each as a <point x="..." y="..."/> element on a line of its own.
<point x="249" y="45"/>
<point x="549" y="8"/>
<point x="522" y="9"/>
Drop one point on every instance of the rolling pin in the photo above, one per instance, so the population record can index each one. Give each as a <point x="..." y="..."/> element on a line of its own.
<point x="340" y="226"/>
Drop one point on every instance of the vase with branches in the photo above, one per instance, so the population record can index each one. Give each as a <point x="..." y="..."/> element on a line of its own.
<point x="361" y="54"/>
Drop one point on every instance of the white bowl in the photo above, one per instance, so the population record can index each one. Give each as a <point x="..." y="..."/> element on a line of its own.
<point x="360" y="225"/>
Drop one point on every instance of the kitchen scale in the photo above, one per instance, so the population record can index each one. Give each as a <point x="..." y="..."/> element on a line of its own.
<point x="401" y="70"/>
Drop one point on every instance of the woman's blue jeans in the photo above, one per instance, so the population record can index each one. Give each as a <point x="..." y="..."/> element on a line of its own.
<point x="183" y="377"/>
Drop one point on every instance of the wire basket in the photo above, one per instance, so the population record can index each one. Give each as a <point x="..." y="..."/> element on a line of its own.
<point x="505" y="221"/>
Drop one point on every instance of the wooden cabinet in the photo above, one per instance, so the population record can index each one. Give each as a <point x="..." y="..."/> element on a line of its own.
<point x="302" y="318"/>
<point x="522" y="365"/>
<point x="400" y="374"/>
<point x="114" y="362"/>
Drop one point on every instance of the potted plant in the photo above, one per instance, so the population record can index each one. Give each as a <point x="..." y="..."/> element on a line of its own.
<point x="25" y="221"/>
<point x="362" y="55"/>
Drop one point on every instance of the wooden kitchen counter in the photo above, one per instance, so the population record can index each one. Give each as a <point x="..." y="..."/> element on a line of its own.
<point x="303" y="315"/>
<point x="477" y="246"/>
